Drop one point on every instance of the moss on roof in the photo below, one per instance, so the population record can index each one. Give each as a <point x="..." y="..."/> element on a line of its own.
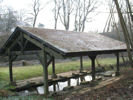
<point x="70" y="41"/>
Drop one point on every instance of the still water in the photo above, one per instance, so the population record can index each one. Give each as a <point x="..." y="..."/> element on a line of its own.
<point x="60" y="85"/>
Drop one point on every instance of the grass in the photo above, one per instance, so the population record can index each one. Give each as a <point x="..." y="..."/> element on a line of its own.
<point x="34" y="97"/>
<point x="20" y="73"/>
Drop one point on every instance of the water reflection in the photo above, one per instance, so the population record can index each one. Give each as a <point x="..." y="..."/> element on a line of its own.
<point x="60" y="85"/>
<point x="88" y="78"/>
<point x="71" y="82"/>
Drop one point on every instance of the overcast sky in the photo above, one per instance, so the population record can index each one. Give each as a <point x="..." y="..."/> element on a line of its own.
<point x="46" y="16"/>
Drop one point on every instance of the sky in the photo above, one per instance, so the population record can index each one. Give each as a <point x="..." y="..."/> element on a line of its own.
<point x="46" y="16"/>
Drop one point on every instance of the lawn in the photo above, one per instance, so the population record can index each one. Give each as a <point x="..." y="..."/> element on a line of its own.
<point x="20" y="73"/>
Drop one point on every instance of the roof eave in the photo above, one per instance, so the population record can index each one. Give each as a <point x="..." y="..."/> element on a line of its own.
<point x="91" y="53"/>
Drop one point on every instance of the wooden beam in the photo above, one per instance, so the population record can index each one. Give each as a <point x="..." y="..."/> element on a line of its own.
<point x="53" y="68"/>
<point x="40" y="58"/>
<point x="22" y="42"/>
<point x="117" y="65"/>
<point x="24" y="53"/>
<point x="81" y="63"/>
<point x="13" y="44"/>
<point x="93" y="66"/>
<point x="10" y="69"/>
<point x="53" y="53"/>
<point x="49" y="61"/>
<point x="91" y="53"/>
<point x="33" y="41"/>
<point x="25" y="44"/>
<point x="41" y="45"/>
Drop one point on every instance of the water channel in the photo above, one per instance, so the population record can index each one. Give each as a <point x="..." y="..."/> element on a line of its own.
<point x="59" y="86"/>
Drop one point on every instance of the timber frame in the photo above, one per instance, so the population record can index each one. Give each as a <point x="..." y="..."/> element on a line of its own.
<point x="22" y="42"/>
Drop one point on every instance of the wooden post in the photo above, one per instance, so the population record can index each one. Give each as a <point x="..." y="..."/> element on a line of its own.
<point x="45" y="72"/>
<point x="77" y="81"/>
<point x="81" y="63"/>
<point x="53" y="68"/>
<point x="117" y="65"/>
<point x="69" y="82"/>
<point x="82" y="78"/>
<point x="58" y="86"/>
<point x="10" y="69"/>
<point x="54" y="87"/>
<point x="93" y="66"/>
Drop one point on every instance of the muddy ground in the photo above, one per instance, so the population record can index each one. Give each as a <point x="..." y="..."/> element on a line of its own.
<point x="121" y="89"/>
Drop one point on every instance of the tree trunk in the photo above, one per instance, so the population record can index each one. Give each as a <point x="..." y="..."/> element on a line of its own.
<point x="125" y="32"/>
<point x="34" y="23"/>
<point x="130" y="10"/>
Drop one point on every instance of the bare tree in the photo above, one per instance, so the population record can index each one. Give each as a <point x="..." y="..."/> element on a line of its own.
<point x="82" y="10"/>
<point x="67" y="8"/>
<point x="127" y="37"/>
<point x="130" y="10"/>
<point x="10" y="20"/>
<point x="1" y="8"/>
<point x="36" y="8"/>
<point x="129" y="18"/>
<point x="57" y="7"/>
<point x="22" y="18"/>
